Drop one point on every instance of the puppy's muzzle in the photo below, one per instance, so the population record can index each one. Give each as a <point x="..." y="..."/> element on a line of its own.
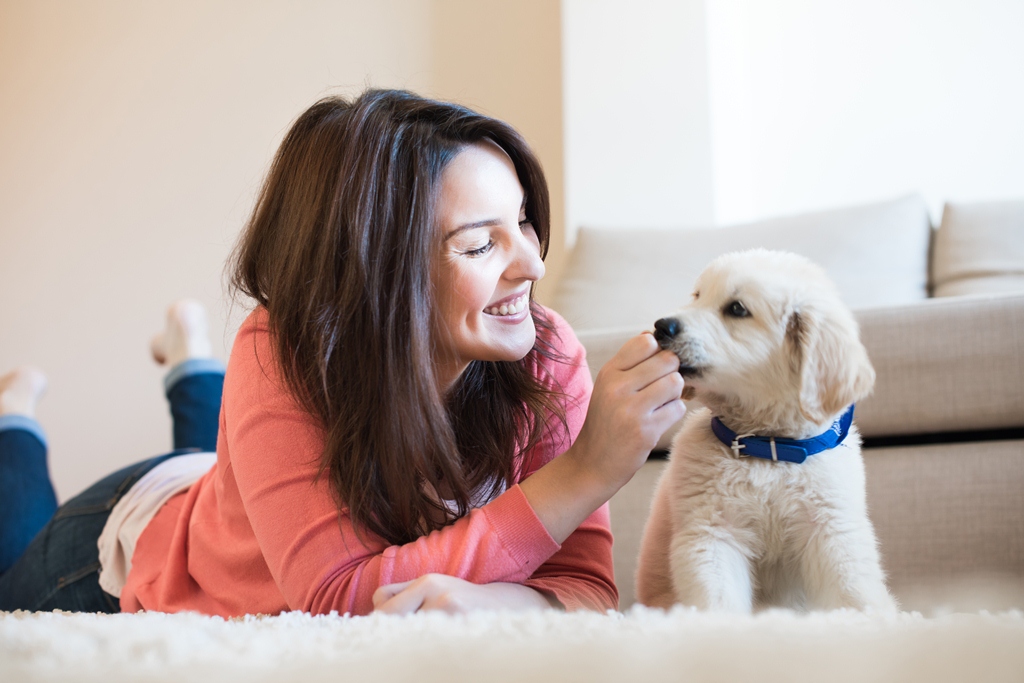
<point x="668" y="332"/>
<point x="666" y="329"/>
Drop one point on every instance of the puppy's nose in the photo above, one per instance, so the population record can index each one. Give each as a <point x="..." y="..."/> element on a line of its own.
<point x="666" y="328"/>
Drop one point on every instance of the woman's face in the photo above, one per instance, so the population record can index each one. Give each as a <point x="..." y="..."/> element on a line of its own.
<point x="490" y="256"/>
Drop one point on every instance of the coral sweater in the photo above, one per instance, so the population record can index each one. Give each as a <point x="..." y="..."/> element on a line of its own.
<point x="259" y="533"/>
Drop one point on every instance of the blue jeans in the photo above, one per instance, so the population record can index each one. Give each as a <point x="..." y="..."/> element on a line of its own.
<point x="48" y="555"/>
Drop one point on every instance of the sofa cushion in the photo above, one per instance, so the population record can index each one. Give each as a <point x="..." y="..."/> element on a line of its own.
<point x="945" y="365"/>
<point x="979" y="249"/>
<point x="876" y="254"/>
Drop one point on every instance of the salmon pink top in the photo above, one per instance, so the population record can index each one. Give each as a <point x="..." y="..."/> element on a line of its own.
<point x="260" y="534"/>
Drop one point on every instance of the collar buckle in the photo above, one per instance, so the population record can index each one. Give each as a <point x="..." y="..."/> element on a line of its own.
<point x="737" y="446"/>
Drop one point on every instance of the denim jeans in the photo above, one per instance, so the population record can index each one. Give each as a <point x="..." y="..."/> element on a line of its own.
<point x="48" y="555"/>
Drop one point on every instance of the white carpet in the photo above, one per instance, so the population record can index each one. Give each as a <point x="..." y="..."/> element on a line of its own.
<point x="640" y="646"/>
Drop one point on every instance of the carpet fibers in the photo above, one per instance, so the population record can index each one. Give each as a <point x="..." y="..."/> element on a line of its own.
<point x="637" y="647"/>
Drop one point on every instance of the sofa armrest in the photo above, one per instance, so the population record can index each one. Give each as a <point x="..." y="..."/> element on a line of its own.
<point x="945" y="365"/>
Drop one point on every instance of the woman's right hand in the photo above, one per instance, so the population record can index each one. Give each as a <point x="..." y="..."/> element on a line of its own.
<point x="636" y="398"/>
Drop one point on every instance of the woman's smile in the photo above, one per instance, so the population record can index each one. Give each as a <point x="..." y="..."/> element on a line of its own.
<point x="510" y="306"/>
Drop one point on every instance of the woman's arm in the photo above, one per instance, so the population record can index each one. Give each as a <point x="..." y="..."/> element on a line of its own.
<point x="580" y="575"/>
<point x="637" y="397"/>
<point x="611" y="430"/>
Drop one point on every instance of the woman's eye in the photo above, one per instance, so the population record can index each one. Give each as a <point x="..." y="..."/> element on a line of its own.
<point x="737" y="310"/>
<point x="525" y="223"/>
<point x="480" y="251"/>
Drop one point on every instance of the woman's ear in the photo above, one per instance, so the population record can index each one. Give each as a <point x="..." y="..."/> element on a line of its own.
<point x="833" y="365"/>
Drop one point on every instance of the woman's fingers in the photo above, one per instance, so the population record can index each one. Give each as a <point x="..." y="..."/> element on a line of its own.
<point x="408" y="599"/>
<point x="659" y="366"/>
<point x="669" y="413"/>
<point x="385" y="593"/>
<point x="638" y="380"/>
<point x="662" y="389"/>
<point x="634" y="352"/>
<point x="642" y="361"/>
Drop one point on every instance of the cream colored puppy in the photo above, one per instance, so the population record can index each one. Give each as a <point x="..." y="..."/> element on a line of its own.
<point x="738" y="522"/>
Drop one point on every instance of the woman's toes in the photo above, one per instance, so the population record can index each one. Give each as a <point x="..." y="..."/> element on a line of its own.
<point x="186" y="335"/>
<point x="20" y="391"/>
<point x="156" y="348"/>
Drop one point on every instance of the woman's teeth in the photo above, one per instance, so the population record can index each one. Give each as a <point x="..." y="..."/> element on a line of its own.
<point x="516" y="306"/>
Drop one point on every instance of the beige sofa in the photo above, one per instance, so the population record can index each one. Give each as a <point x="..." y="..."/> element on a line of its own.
<point x="942" y="315"/>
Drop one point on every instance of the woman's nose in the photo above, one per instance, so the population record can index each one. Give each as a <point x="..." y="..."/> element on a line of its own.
<point x="527" y="263"/>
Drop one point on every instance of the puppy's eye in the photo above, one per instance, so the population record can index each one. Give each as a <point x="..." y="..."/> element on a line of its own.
<point x="696" y="295"/>
<point x="737" y="310"/>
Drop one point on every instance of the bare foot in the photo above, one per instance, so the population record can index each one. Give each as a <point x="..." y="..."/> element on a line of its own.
<point x="20" y="391"/>
<point x="186" y="335"/>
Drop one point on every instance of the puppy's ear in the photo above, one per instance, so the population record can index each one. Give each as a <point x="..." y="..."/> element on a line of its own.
<point x="833" y="365"/>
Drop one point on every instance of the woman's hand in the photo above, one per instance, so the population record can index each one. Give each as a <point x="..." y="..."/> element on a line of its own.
<point x="637" y="397"/>
<point x="452" y="595"/>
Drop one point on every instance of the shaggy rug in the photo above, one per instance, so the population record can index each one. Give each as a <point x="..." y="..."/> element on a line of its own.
<point x="639" y="646"/>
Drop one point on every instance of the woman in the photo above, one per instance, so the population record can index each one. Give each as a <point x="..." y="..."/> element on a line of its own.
<point x="403" y="428"/>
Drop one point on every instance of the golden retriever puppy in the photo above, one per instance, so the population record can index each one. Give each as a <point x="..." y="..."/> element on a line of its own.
<point x="763" y="500"/>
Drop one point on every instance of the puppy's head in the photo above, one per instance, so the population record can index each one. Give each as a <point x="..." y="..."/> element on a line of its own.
<point x="767" y="343"/>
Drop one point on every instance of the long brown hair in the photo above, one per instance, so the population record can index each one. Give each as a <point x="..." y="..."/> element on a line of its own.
<point x="339" y="250"/>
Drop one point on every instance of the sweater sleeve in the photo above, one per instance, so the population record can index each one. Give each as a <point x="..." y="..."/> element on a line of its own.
<point x="314" y="555"/>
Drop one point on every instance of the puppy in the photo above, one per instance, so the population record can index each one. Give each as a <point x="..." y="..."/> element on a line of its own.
<point x="771" y="352"/>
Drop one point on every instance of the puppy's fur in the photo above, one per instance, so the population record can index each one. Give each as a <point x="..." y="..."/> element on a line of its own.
<point x="734" y="534"/>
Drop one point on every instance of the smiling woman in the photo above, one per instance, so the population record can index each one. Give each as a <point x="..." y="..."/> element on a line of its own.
<point x="402" y="426"/>
<point x="487" y="266"/>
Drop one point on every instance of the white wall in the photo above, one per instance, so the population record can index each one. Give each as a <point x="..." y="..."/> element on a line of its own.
<point x="720" y="111"/>
<point x="817" y="104"/>
<point x="637" y="139"/>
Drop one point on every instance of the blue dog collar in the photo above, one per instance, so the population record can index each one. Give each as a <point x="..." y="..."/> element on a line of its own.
<point x="787" y="450"/>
